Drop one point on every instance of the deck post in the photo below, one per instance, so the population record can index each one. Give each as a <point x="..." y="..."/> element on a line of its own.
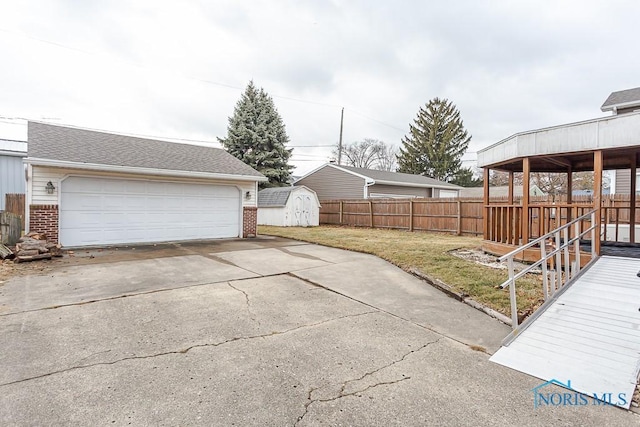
<point x="485" y="207"/>
<point x="632" y="201"/>
<point x="597" y="197"/>
<point x="510" y="194"/>
<point x="526" y="169"/>
<point x="569" y="195"/>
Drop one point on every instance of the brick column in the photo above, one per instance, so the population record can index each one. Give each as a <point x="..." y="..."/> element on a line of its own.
<point x="44" y="219"/>
<point x="249" y="221"/>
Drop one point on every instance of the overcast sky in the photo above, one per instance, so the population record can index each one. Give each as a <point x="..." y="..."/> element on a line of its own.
<point x="175" y="69"/>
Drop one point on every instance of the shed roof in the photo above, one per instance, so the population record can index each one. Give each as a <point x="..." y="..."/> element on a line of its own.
<point x="277" y="196"/>
<point x="85" y="146"/>
<point x="622" y="99"/>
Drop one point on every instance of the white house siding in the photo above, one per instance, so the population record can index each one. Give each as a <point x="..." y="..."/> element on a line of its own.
<point x="330" y="184"/>
<point x="12" y="179"/>
<point x="448" y="194"/>
<point x="379" y="190"/>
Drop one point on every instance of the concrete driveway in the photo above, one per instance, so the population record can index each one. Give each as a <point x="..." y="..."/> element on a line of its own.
<point x="255" y="332"/>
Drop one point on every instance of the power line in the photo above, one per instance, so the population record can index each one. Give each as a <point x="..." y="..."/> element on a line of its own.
<point x="206" y="81"/>
<point x="377" y="121"/>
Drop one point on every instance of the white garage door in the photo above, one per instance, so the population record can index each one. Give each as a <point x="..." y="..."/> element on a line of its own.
<point x="97" y="211"/>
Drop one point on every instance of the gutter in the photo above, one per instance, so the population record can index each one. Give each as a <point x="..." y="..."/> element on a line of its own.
<point x="408" y="184"/>
<point x="367" y="184"/>
<point x="142" y="171"/>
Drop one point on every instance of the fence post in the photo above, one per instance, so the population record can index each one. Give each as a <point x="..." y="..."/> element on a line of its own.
<point x="558" y="248"/>
<point x="371" y="213"/>
<point x="576" y="245"/>
<point x="512" y="294"/>
<point x="341" y="212"/>
<point x="545" y="273"/>
<point x="411" y="215"/>
<point x="459" y="219"/>
<point x="595" y="234"/>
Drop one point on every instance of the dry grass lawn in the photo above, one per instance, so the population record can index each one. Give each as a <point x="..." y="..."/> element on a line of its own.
<point x="428" y="253"/>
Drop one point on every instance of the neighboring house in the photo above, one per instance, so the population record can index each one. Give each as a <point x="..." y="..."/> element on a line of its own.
<point x="288" y="207"/>
<point x="500" y="191"/>
<point x="87" y="187"/>
<point x="12" y="176"/>
<point x="331" y="181"/>
<point x="623" y="102"/>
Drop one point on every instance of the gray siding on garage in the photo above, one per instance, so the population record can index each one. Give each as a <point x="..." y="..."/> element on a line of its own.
<point x="623" y="181"/>
<point x="378" y="190"/>
<point x="12" y="178"/>
<point x="330" y="184"/>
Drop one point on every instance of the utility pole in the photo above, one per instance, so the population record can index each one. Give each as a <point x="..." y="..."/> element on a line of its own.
<point x="340" y="140"/>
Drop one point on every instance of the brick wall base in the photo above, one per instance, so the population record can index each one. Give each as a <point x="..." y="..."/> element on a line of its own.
<point x="249" y="222"/>
<point x="44" y="219"/>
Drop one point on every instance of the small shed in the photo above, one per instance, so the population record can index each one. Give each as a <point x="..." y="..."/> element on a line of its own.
<point x="296" y="206"/>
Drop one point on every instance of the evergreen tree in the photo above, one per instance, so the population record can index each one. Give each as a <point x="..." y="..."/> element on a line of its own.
<point x="436" y="142"/>
<point x="256" y="135"/>
<point x="466" y="178"/>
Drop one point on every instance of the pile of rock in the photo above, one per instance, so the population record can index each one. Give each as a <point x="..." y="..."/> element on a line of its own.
<point x="34" y="246"/>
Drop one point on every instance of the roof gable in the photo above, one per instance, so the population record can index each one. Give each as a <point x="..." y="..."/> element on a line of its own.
<point x="622" y="99"/>
<point x="397" y="178"/>
<point x="77" y="145"/>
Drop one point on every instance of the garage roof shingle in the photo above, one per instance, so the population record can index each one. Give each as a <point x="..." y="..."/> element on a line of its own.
<point x="71" y="144"/>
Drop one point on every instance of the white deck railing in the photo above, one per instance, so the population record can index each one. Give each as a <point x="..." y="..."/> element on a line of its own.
<point x="552" y="261"/>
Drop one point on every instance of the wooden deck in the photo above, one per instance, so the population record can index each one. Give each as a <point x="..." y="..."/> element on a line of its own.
<point x="590" y="335"/>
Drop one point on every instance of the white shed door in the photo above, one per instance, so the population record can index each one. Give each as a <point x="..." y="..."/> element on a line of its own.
<point x="97" y="211"/>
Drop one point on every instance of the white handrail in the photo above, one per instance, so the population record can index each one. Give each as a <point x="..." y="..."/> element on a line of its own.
<point x="550" y="287"/>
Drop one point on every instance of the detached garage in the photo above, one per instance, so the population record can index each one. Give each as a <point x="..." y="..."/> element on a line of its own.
<point x="90" y="188"/>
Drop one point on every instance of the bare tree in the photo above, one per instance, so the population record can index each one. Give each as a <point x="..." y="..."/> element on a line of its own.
<point x="370" y="154"/>
<point x="388" y="158"/>
<point x="551" y="183"/>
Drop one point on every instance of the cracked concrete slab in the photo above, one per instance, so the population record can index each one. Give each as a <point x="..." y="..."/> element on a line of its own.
<point x="269" y="261"/>
<point x="382" y="285"/>
<point x="79" y="284"/>
<point x="275" y="350"/>
<point x="254" y="381"/>
<point x="448" y="384"/>
<point x="148" y="324"/>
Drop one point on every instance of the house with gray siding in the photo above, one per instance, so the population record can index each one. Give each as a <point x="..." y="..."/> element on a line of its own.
<point x="12" y="175"/>
<point x="331" y="182"/>
<point x="622" y="102"/>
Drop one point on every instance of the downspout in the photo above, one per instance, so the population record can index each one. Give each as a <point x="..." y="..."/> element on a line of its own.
<point x="366" y="188"/>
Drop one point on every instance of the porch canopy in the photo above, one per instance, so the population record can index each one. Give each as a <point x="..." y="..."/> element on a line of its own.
<point x="594" y="145"/>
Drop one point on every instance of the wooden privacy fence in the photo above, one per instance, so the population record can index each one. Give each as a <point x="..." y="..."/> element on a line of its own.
<point x="464" y="216"/>
<point x="10" y="228"/>
<point x="460" y="216"/>
<point x="14" y="203"/>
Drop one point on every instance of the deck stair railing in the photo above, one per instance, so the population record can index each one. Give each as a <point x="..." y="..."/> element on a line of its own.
<point x="557" y="249"/>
